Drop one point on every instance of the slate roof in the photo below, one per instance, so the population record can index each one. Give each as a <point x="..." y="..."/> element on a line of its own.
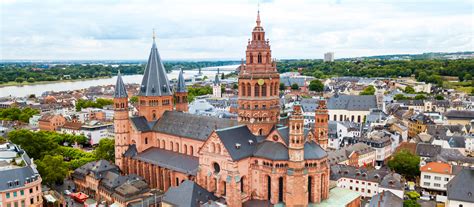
<point x="190" y="125"/>
<point x="188" y="194"/>
<point x="120" y="90"/>
<point x="155" y="81"/>
<point x="172" y="160"/>
<point x="20" y="174"/>
<point x="461" y="187"/>
<point x="181" y="85"/>
<point x="238" y="135"/>
<point x="352" y="102"/>
<point x="272" y="151"/>
<point x="455" y="114"/>
<point x="386" y="198"/>
<point x="427" y="150"/>
<point x="216" y="79"/>
<point x="131" y="151"/>
<point x="347" y="171"/>
<point x="340" y="155"/>
<point x="392" y="181"/>
<point x="141" y="124"/>
<point x="313" y="151"/>
<point x="309" y="104"/>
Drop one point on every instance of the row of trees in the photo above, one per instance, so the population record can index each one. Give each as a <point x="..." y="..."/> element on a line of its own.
<point x="424" y="70"/>
<point x="54" y="160"/>
<point x="31" y="72"/>
<point x="17" y="114"/>
<point x="98" y="103"/>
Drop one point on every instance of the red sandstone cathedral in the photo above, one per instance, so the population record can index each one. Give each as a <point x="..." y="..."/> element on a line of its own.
<point x="252" y="158"/>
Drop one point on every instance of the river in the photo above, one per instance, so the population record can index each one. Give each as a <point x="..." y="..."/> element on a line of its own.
<point x="38" y="89"/>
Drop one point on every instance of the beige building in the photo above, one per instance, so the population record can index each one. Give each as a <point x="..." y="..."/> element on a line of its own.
<point x="20" y="182"/>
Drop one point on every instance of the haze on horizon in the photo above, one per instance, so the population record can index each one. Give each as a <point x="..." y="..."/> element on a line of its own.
<point x="211" y="29"/>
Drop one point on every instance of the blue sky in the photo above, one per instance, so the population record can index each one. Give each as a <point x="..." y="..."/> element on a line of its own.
<point x="208" y="29"/>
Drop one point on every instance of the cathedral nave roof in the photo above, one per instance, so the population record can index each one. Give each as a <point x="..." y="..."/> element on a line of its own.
<point x="171" y="160"/>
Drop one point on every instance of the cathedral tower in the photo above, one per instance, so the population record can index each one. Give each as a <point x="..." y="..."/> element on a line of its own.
<point x="297" y="192"/>
<point x="321" y="124"/>
<point x="155" y="96"/>
<point x="181" y="94"/>
<point x="121" y="121"/>
<point x="259" y="81"/>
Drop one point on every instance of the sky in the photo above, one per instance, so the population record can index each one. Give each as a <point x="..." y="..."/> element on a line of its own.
<point x="219" y="29"/>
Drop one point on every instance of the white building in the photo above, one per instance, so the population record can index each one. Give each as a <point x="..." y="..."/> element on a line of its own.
<point x="216" y="87"/>
<point x="460" y="189"/>
<point x="353" y="108"/>
<point x="329" y="57"/>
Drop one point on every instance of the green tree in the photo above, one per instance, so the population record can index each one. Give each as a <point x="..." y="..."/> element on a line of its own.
<point x="235" y="86"/>
<point x="369" y="90"/>
<point x="19" y="80"/>
<point x="420" y="97"/>
<point x="405" y="163"/>
<point x="36" y="144"/>
<point x="295" y="86"/>
<point x="439" y="97"/>
<point x="134" y="99"/>
<point x="31" y="80"/>
<point x="282" y="86"/>
<point x="105" y="150"/>
<point x="222" y="76"/>
<point x="316" y="85"/>
<point x="400" y="97"/>
<point x="410" y="203"/>
<point x="409" y="90"/>
<point x="52" y="169"/>
<point x="467" y="77"/>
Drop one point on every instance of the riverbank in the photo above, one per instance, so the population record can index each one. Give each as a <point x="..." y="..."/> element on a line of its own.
<point x="25" y="83"/>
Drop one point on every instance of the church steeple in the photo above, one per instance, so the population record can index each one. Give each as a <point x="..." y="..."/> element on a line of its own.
<point x="155" y="81"/>
<point x="120" y="90"/>
<point x="181" y="94"/>
<point x="155" y="96"/>
<point x="181" y="85"/>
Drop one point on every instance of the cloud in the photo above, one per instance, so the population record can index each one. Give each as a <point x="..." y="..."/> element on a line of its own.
<point x="211" y="29"/>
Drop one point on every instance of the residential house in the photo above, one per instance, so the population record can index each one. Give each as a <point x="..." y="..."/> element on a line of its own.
<point x="51" y="122"/>
<point x="461" y="189"/>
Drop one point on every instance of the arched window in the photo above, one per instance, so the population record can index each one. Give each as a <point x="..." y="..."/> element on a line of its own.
<point x="249" y="90"/>
<point x="271" y="89"/>
<point x="171" y="145"/>
<point x="218" y="148"/>
<point x="146" y="140"/>
<point x="154" y="114"/>
<point x="251" y="58"/>
<point x="264" y="90"/>
<point x="177" y="147"/>
<point x="163" y="145"/>
<point x="242" y="184"/>
<point x="191" y="150"/>
<point x="242" y="93"/>
<point x="259" y="57"/>
<point x="185" y="149"/>
<point x="212" y="147"/>
<point x="276" y="89"/>
<point x="257" y="90"/>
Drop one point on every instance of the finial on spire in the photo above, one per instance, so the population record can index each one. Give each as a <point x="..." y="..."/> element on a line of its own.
<point x="154" y="35"/>
<point x="258" y="15"/>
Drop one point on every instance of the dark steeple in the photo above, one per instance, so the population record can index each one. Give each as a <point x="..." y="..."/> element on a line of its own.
<point x="216" y="80"/>
<point x="155" y="81"/>
<point x="120" y="90"/>
<point x="181" y="86"/>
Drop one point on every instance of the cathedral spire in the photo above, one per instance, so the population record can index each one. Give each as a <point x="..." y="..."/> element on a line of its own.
<point x="155" y="81"/>
<point x="120" y="90"/>
<point x="181" y="86"/>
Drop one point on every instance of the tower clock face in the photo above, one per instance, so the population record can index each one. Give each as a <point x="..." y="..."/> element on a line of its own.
<point x="260" y="81"/>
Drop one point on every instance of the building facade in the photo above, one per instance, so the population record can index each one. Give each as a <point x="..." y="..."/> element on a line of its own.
<point x="259" y="81"/>
<point x="20" y="182"/>
<point x="242" y="160"/>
